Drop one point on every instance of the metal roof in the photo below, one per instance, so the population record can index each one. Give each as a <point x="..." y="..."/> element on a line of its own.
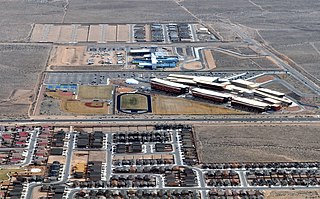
<point x="271" y="92"/>
<point x="210" y="92"/>
<point x="250" y="102"/>
<point x="161" y="81"/>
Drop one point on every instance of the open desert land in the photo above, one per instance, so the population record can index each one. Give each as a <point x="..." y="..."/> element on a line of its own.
<point x="82" y="33"/>
<point x="306" y="55"/>
<point x="173" y="106"/>
<point x="111" y="33"/>
<point x="258" y="142"/>
<point x="20" y="69"/>
<point x="95" y="92"/>
<point x="293" y="194"/>
<point x="17" y="18"/>
<point x="82" y="108"/>
<point x="133" y="101"/>
<point x="228" y="62"/>
<point x="285" y="25"/>
<point x="133" y="11"/>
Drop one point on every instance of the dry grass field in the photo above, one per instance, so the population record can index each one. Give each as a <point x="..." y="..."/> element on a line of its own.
<point x="78" y="107"/>
<point x="172" y="105"/>
<point x="59" y="95"/>
<point x="20" y="68"/>
<point x="293" y="194"/>
<point x="95" y="92"/>
<point x="258" y="142"/>
<point x="133" y="101"/>
<point x="228" y="62"/>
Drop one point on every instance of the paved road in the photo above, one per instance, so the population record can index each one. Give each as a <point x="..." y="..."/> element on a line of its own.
<point x="179" y="118"/>
<point x="66" y="170"/>
<point x="109" y="156"/>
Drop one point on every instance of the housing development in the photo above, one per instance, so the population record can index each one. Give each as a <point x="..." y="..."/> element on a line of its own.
<point x="159" y="99"/>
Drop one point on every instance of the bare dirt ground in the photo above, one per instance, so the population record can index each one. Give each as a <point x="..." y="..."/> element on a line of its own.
<point x="54" y="33"/>
<point x="19" y="72"/>
<point x="82" y="33"/>
<point x="37" y="33"/>
<point x="173" y="105"/>
<point x="293" y="194"/>
<point x="79" y="157"/>
<point x="97" y="155"/>
<point x="258" y="143"/>
<point x="196" y="65"/>
<point x="209" y="59"/>
<point x="66" y="33"/>
<point x="123" y="33"/>
<point x="264" y="78"/>
<point x="67" y="55"/>
<point x="94" y="33"/>
<point x="112" y="33"/>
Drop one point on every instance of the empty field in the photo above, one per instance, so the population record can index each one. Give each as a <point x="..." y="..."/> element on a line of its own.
<point x="67" y="55"/>
<point x="195" y="65"/>
<point x="54" y="33"/>
<point x="66" y="33"/>
<point x="60" y="95"/>
<point x="111" y="33"/>
<point x="173" y="105"/>
<point x="78" y="107"/>
<point x="94" y="33"/>
<point x="228" y="62"/>
<point x="95" y="92"/>
<point x="20" y="69"/>
<point x="209" y="59"/>
<point x="134" y="102"/>
<point x="123" y="33"/>
<point x="258" y="143"/>
<point x="37" y="33"/>
<point x="82" y="33"/>
<point x="293" y="194"/>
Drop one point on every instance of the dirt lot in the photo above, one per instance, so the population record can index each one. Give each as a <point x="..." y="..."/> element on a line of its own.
<point x="133" y="101"/>
<point x="97" y="156"/>
<point x="19" y="71"/>
<point x="78" y="107"/>
<point x="209" y="59"/>
<point x="196" y="65"/>
<point x="95" y="92"/>
<point x="174" y="105"/>
<point x="79" y="157"/>
<point x="293" y="194"/>
<point x="264" y="78"/>
<point x="258" y="143"/>
<point x="67" y="55"/>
